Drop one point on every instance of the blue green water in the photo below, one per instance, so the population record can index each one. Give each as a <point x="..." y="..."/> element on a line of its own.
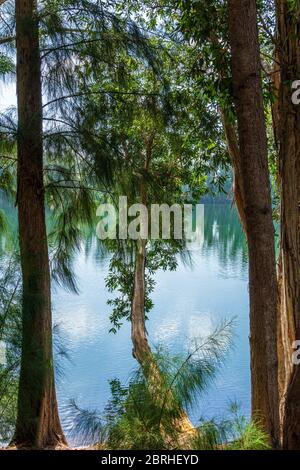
<point x="187" y="303"/>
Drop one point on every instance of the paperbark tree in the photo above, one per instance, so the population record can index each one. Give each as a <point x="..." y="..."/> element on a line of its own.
<point x="255" y="189"/>
<point x="38" y="422"/>
<point x="287" y="127"/>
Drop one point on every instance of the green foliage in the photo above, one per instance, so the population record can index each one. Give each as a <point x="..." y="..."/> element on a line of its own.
<point x="139" y="416"/>
<point x="252" y="437"/>
<point x="233" y="433"/>
<point x="120" y="278"/>
<point x="6" y="65"/>
<point x="85" y="47"/>
<point x="160" y="157"/>
<point x="68" y="215"/>
<point x="10" y="340"/>
<point x="131" y="100"/>
<point x="3" y="221"/>
<point x="7" y="160"/>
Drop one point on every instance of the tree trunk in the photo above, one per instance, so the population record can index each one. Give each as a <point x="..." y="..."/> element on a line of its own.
<point x="258" y="213"/>
<point x="142" y="351"/>
<point x="141" y="348"/>
<point x="38" y="422"/>
<point x="288" y="135"/>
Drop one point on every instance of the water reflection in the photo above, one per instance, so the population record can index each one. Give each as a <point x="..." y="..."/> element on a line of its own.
<point x="188" y="302"/>
<point x="224" y="236"/>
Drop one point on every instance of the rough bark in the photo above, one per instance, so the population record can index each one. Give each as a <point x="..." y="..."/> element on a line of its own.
<point x="258" y="212"/>
<point x="288" y="136"/>
<point x="38" y="422"/>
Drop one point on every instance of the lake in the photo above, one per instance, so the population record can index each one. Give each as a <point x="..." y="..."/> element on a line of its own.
<point x="189" y="302"/>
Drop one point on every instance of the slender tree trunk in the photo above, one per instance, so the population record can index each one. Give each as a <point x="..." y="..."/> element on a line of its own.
<point x="141" y="349"/>
<point x="288" y="136"/>
<point x="258" y="213"/>
<point x="38" y="422"/>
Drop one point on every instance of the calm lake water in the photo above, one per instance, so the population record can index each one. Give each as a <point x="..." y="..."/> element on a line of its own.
<point x="187" y="303"/>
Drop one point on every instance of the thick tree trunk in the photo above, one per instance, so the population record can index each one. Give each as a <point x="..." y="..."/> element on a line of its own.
<point x="38" y="422"/>
<point x="288" y="136"/>
<point x="258" y="213"/>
